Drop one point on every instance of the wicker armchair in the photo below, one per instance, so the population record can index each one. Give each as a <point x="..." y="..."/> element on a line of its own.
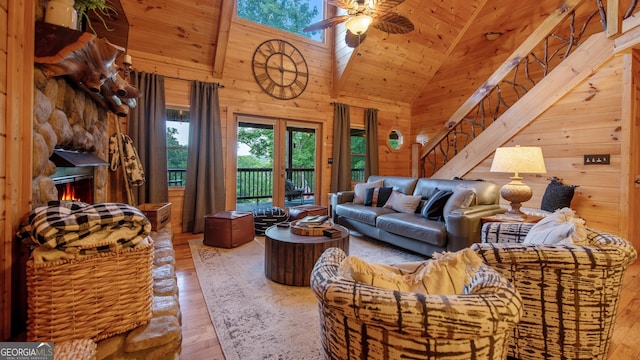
<point x="359" y="321"/>
<point x="570" y="292"/>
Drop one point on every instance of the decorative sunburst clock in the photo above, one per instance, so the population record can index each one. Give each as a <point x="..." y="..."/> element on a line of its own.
<point x="280" y="69"/>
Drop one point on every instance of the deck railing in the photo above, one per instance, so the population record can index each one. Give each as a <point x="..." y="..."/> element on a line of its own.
<point x="256" y="184"/>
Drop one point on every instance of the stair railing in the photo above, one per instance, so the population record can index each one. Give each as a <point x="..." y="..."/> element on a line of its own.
<point x="552" y="42"/>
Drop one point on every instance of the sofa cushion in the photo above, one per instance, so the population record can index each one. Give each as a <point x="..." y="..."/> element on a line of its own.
<point x="487" y="193"/>
<point x="557" y="195"/>
<point x="403" y="203"/>
<point x="461" y="198"/>
<point x="362" y="213"/>
<point x="433" y="208"/>
<point x="403" y="184"/>
<point x="377" y="196"/>
<point x="414" y="227"/>
<point x="561" y="227"/>
<point x="445" y="274"/>
<point x="379" y="275"/>
<point x="360" y="189"/>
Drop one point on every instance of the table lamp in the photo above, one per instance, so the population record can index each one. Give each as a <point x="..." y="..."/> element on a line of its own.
<point x="517" y="159"/>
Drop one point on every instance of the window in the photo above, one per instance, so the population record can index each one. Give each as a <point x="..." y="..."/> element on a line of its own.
<point x="288" y="15"/>
<point x="177" y="124"/>
<point x="358" y="153"/>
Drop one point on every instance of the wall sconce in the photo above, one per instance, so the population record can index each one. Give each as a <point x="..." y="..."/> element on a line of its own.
<point x="517" y="160"/>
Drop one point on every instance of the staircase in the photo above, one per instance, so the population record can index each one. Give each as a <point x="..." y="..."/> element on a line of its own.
<point x="516" y="94"/>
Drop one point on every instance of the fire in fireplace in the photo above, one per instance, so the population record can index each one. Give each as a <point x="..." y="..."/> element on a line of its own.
<point x="74" y="174"/>
<point x="77" y="190"/>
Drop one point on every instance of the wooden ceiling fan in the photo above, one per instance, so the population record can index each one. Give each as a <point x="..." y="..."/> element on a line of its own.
<point x="364" y="13"/>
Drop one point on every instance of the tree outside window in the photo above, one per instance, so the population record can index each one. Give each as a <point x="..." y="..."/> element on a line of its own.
<point x="358" y="153"/>
<point x="177" y="124"/>
<point x="287" y="15"/>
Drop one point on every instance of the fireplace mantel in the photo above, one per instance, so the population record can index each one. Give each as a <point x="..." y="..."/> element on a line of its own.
<point x="88" y="61"/>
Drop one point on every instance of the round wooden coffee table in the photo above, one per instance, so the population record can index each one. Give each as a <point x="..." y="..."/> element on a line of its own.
<point x="289" y="258"/>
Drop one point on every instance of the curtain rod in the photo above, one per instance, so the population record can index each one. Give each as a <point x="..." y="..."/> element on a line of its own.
<point x="361" y="107"/>
<point x="177" y="78"/>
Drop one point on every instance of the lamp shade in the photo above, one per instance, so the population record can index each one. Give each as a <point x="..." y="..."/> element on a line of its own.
<point x="518" y="159"/>
<point x="359" y="24"/>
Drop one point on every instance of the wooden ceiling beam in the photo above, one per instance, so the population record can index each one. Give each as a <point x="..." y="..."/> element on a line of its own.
<point x="226" y="14"/>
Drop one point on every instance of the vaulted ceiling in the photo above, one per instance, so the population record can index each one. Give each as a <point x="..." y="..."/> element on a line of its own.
<point x="449" y="37"/>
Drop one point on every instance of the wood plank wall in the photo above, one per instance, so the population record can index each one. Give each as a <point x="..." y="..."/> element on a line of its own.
<point x="16" y="108"/>
<point x="588" y="120"/>
<point x="242" y="96"/>
<point x="5" y="249"/>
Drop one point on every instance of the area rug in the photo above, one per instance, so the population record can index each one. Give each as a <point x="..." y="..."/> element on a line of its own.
<point x="256" y="318"/>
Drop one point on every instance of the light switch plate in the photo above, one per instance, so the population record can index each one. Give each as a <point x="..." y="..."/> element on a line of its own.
<point x="597" y="159"/>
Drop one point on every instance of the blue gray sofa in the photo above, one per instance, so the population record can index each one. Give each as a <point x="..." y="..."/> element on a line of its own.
<point x="459" y="228"/>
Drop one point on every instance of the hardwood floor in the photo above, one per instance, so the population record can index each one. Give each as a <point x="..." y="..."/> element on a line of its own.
<point x="199" y="339"/>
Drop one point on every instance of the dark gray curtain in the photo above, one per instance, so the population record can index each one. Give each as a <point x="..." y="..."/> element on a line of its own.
<point x="371" y="142"/>
<point x="204" y="191"/>
<point x="148" y="131"/>
<point x="341" y="168"/>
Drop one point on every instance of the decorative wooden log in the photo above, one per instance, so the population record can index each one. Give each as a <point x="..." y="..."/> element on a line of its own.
<point x="121" y="88"/>
<point x="87" y="61"/>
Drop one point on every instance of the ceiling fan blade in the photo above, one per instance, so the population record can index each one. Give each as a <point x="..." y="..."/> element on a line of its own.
<point x="344" y="4"/>
<point x="354" y="40"/>
<point x="384" y="5"/>
<point x="392" y="23"/>
<point x="320" y="25"/>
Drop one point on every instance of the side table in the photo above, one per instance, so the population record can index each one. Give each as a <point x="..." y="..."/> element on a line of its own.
<point x="507" y="218"/>
<point x="289" y="258"/>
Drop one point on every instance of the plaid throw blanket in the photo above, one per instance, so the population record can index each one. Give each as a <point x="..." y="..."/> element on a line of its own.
<point x="80" y="228"/>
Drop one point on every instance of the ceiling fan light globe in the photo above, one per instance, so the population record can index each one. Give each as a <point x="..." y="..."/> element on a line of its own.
<point x="358" y="24"/>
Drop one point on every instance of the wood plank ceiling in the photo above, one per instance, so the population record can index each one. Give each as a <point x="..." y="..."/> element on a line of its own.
<point x="395" y="67"/>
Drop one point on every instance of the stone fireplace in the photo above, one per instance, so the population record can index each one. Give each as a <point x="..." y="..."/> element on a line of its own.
<point x="65" y="118"/>
<point x="74" y="174"/>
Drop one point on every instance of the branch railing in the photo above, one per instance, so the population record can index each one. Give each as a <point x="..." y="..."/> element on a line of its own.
<point x="554" y="40"/>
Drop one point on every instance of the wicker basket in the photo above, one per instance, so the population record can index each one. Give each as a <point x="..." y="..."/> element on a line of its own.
<point x="92" y="297"/>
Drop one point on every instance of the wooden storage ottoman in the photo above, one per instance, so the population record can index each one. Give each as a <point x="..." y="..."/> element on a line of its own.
<point x="299" y="212"/>
<point x="228" y="229"/>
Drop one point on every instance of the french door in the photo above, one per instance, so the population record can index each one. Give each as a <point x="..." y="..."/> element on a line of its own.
<point x="277" y="162"/>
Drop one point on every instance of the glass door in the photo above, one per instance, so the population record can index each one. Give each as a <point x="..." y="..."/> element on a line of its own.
<point x="276" y="163"/>
<point x="301" y="164"/>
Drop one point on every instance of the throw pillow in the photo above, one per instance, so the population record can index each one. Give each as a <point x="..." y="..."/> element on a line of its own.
<point x="403" y="203"/>
<point x="445" y="274"/>
<point x="433" y="209"/>
<point x="557" y="195"/>
<point x="561" y="227"/>
<point x="377" y="196"/>
<point x="360" y="188"/>
<point x="380" y="275"/>
<point x="461" y="198"/>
